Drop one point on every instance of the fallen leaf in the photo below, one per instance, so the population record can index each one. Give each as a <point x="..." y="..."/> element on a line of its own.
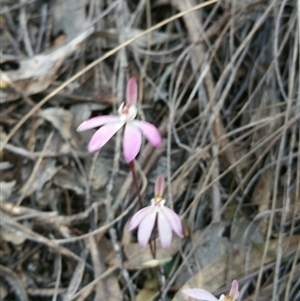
<point x="215" y="275"/>
<point x="61" y="119"/>
<point x="60" y="39"/>
<point x="146" y="295"/>
<point x="137" y="256"/>
<point x="6" y="189"/>
<point x="101" y="171"/>
<point x="36" y="73"/>
<point x="70" y="179"/>
<point x="69" y="17"/>
<point x="213" y="244"/>
<point x="3" y="291"/>
<point x="45" y="173"/>
<point x="245" y="232"/>
<point x="112" y="290"/>
<point x="11" y="235"/>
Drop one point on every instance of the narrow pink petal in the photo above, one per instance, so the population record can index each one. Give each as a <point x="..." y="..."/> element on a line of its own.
<point x="150" y="131"/>
<point x="199" y="293"/>
<point x="146" y="227"/>
<point x="174" y="220"/>
<point x="159" y="185"/>
<point x="131" y="91"/>
<point x="103" y="135"/>
<point x="234" y="291"/>
<point x="132" y="141"/>
<point x="164" y="230"/>
<point x="97" y="121"/>
<point x="138" y="217"/>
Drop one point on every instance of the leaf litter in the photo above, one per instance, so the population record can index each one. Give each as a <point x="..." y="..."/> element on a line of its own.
<point x="221" y="83"/>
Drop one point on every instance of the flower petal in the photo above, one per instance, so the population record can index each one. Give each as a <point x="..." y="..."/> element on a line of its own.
<point x="159" y="185"/>
<point x="146" y="227"/>
<point x="97" y="121"/>
<point x="138" y="217"/>
<point x="150" y="131"/>
<point x="234" y="291"/>
<point x="103" y="135"/>
<point x="199" y="293"/>
<point x="132" y="142"/>
<point x="131" y="91"/>
<point x="164" y="230"/>
<point x="174" y="220"/>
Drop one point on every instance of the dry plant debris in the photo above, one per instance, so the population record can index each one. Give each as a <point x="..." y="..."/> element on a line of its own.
<point x="220" y="79"/>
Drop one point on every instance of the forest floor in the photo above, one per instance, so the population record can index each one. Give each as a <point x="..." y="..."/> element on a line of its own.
<point x="221" y="81"/>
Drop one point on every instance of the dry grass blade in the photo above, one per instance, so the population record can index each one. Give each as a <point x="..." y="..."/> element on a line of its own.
<point x="13" y="280"/>
<point x="36" y="73"/>
<point x="221" y="81"/>
<point x="76" y="279"/>
<point x="96" y="62"/>
<point x="240" y="264"/>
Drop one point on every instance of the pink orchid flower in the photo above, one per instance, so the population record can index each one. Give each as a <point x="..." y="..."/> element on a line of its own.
<point x="201" y="294"/>
<point x="133" y="131"/>
<point x="167" y="219"/>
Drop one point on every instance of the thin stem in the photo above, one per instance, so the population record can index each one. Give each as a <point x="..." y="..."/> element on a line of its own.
<point x="136" y="184"/>
<point x="153" y="238"/>
<point x="157" y="279"/>
<point x="152" y="241"/>
<point x="152" y="245"/>
<point x="151" y="248"/>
